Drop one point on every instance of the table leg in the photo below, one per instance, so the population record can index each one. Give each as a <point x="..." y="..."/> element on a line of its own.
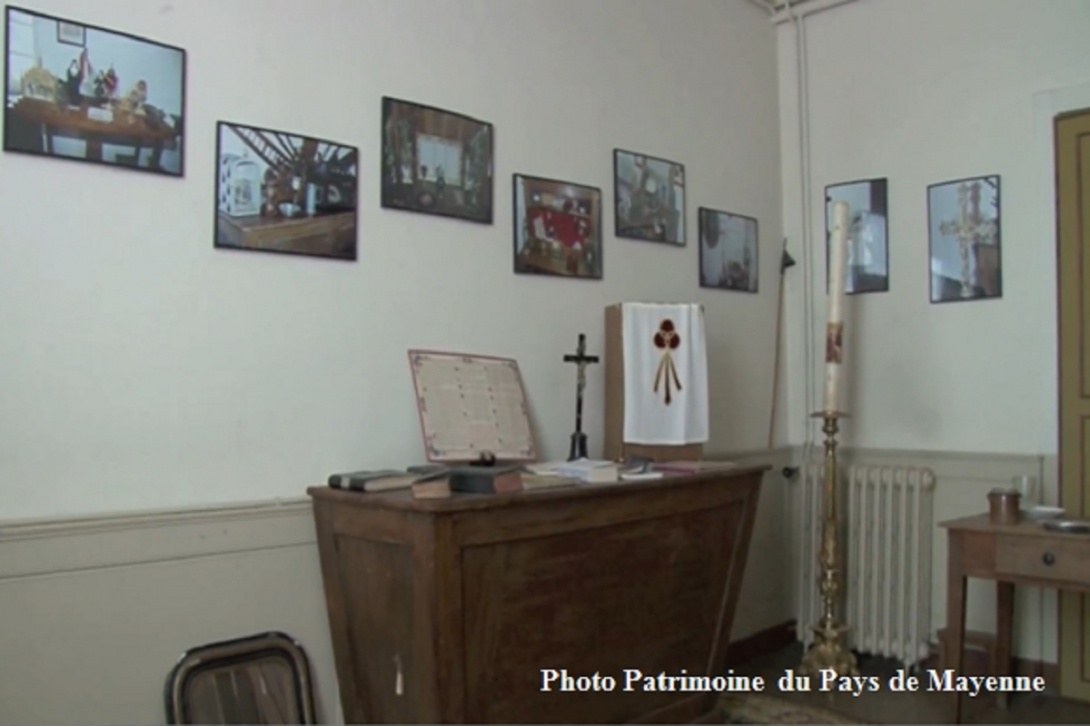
<point x="1004" y="622"/>
<point x="955" y="615"/>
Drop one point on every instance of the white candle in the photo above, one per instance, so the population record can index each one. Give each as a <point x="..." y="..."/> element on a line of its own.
<point x="838" y="255"/>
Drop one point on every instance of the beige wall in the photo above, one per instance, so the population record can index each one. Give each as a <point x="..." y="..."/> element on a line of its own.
<point x="146" y="372"/>
<point x="958" y="89"/>
<point x="143" y="369"/>
<point x="96" y="611"/>
<point x="922" y="92"/>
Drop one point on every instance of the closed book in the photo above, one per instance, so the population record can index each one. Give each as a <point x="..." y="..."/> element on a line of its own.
<point x="691" y="467"/>
<point x="373" y="480"/>
<point x="535" y="481"/>
<point x="486" y="480"/>
<point x="432" y="489"/>
<point x="590" y="470"/>
<point x="427" y="469"/>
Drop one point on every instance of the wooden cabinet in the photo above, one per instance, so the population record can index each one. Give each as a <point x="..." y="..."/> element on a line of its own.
<point x="448" y="611"/>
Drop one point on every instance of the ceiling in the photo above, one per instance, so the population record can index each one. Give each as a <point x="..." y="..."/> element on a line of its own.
<point x="775" y="6"/>
<point x="782" y="10"/>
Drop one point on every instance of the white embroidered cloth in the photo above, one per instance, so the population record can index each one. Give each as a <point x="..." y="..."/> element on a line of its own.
<point x="665" y="373"/>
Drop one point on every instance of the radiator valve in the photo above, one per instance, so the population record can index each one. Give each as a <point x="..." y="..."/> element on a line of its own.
<point x="789" y="472"/>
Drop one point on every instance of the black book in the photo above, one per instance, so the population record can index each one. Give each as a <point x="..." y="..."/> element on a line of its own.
<point x="486" y="479"/>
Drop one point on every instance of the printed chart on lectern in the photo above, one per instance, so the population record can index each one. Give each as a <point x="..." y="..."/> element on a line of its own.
<point x="470" y="405"/>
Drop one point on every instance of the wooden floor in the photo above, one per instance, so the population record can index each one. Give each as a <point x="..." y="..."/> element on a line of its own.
<point x="919" y="708"/>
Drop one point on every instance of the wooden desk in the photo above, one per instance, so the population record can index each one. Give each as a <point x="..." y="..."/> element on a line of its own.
<point x="74" y="123"/>
<point x="1023" y="554"/>
<point x="332" y="234"/>
<point x="447" y="611"/>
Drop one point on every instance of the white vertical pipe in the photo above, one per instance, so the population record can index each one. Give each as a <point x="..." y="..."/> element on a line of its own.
<point x="866" y="592"/>
<point x="887" y="604"/>
<point x="908" y="586"/>
<point x="851" y="557"/>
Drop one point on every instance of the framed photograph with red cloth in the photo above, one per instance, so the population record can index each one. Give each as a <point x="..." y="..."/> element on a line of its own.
<point x="558" y="228"/>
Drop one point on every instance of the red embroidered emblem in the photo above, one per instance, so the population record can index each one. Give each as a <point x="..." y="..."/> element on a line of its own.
<point x="666" y="340"/>
<point x="834" y="343"/>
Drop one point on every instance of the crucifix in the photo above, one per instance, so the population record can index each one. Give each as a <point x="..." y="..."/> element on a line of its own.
<point x="970" y="227"/>
<point x="580" y="359"/>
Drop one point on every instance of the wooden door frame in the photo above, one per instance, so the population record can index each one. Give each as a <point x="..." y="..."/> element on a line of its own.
<point x="1057" y="105"/>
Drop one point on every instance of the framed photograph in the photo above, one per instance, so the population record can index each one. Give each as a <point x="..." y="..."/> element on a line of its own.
<point x="728" y="251"/>
<point x="437" y="162"/>
<point x="963" y="235"/>
<point x="286" y="193"/>
<point x="71" y="33"/>
<point x="75" y="91"/>
<point x="558" y="228"/>
<point x="649" y="194"/>
<point x="868" y="240"/>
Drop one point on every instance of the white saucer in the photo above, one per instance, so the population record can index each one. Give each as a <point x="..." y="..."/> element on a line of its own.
<point x="1042" y="512"/>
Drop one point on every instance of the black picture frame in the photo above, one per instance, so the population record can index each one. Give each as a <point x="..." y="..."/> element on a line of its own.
<point x="965" y="252"/>
<point x="283" y="192"/>
<point x="451" y="140"/>
<point x="553" y="221"/>
<point x="649" y="198"/>
<point x="115" y="99"/>
<point x="868" y="234"/>
<point x="729" y="250"/>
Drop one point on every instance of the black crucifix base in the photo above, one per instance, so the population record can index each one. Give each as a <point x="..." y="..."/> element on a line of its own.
<point x="580" y="359"/>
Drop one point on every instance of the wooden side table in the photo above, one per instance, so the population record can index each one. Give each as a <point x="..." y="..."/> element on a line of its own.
<point x="1022" y="554"/>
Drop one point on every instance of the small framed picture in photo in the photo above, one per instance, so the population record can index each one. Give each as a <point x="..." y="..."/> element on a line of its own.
<point x="71" y="33"/>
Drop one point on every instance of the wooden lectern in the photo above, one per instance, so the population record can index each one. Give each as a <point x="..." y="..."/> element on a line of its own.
<point x="458" y="611"/>
<point x="615" y="447"/>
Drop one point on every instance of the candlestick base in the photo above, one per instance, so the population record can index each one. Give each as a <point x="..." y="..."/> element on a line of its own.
<point x="826" y="414"/>
<point x="829" y="652"/>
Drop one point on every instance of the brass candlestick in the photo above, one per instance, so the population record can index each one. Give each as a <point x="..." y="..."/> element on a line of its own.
<point x="828" y="650"/>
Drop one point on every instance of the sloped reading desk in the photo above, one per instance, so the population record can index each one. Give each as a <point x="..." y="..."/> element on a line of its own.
<point x="447" y="611"/>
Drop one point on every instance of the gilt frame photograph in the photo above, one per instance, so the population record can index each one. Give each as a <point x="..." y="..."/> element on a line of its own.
<point x="436" y="162"/>
<point x="79" y="92"/>
<point x="557" y="228"/>
<point x="965" y="239"/>
<point x="649" y="198"/>
<point x="728" y="251"/>
<point x="868" y="233"/>
<point x="283" y="192"/>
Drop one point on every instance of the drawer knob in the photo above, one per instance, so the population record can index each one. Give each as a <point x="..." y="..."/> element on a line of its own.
<point x="1048" y="558"/>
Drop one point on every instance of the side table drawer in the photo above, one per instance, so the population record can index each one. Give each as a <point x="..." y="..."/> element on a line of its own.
<point x="1055" y="559"/>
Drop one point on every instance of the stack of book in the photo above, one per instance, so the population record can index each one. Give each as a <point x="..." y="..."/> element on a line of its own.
<point x="581" y="470"/>
<point x="426" y="482"/>
<point x="691" y="467"/>
<point x="433" y="481"/>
